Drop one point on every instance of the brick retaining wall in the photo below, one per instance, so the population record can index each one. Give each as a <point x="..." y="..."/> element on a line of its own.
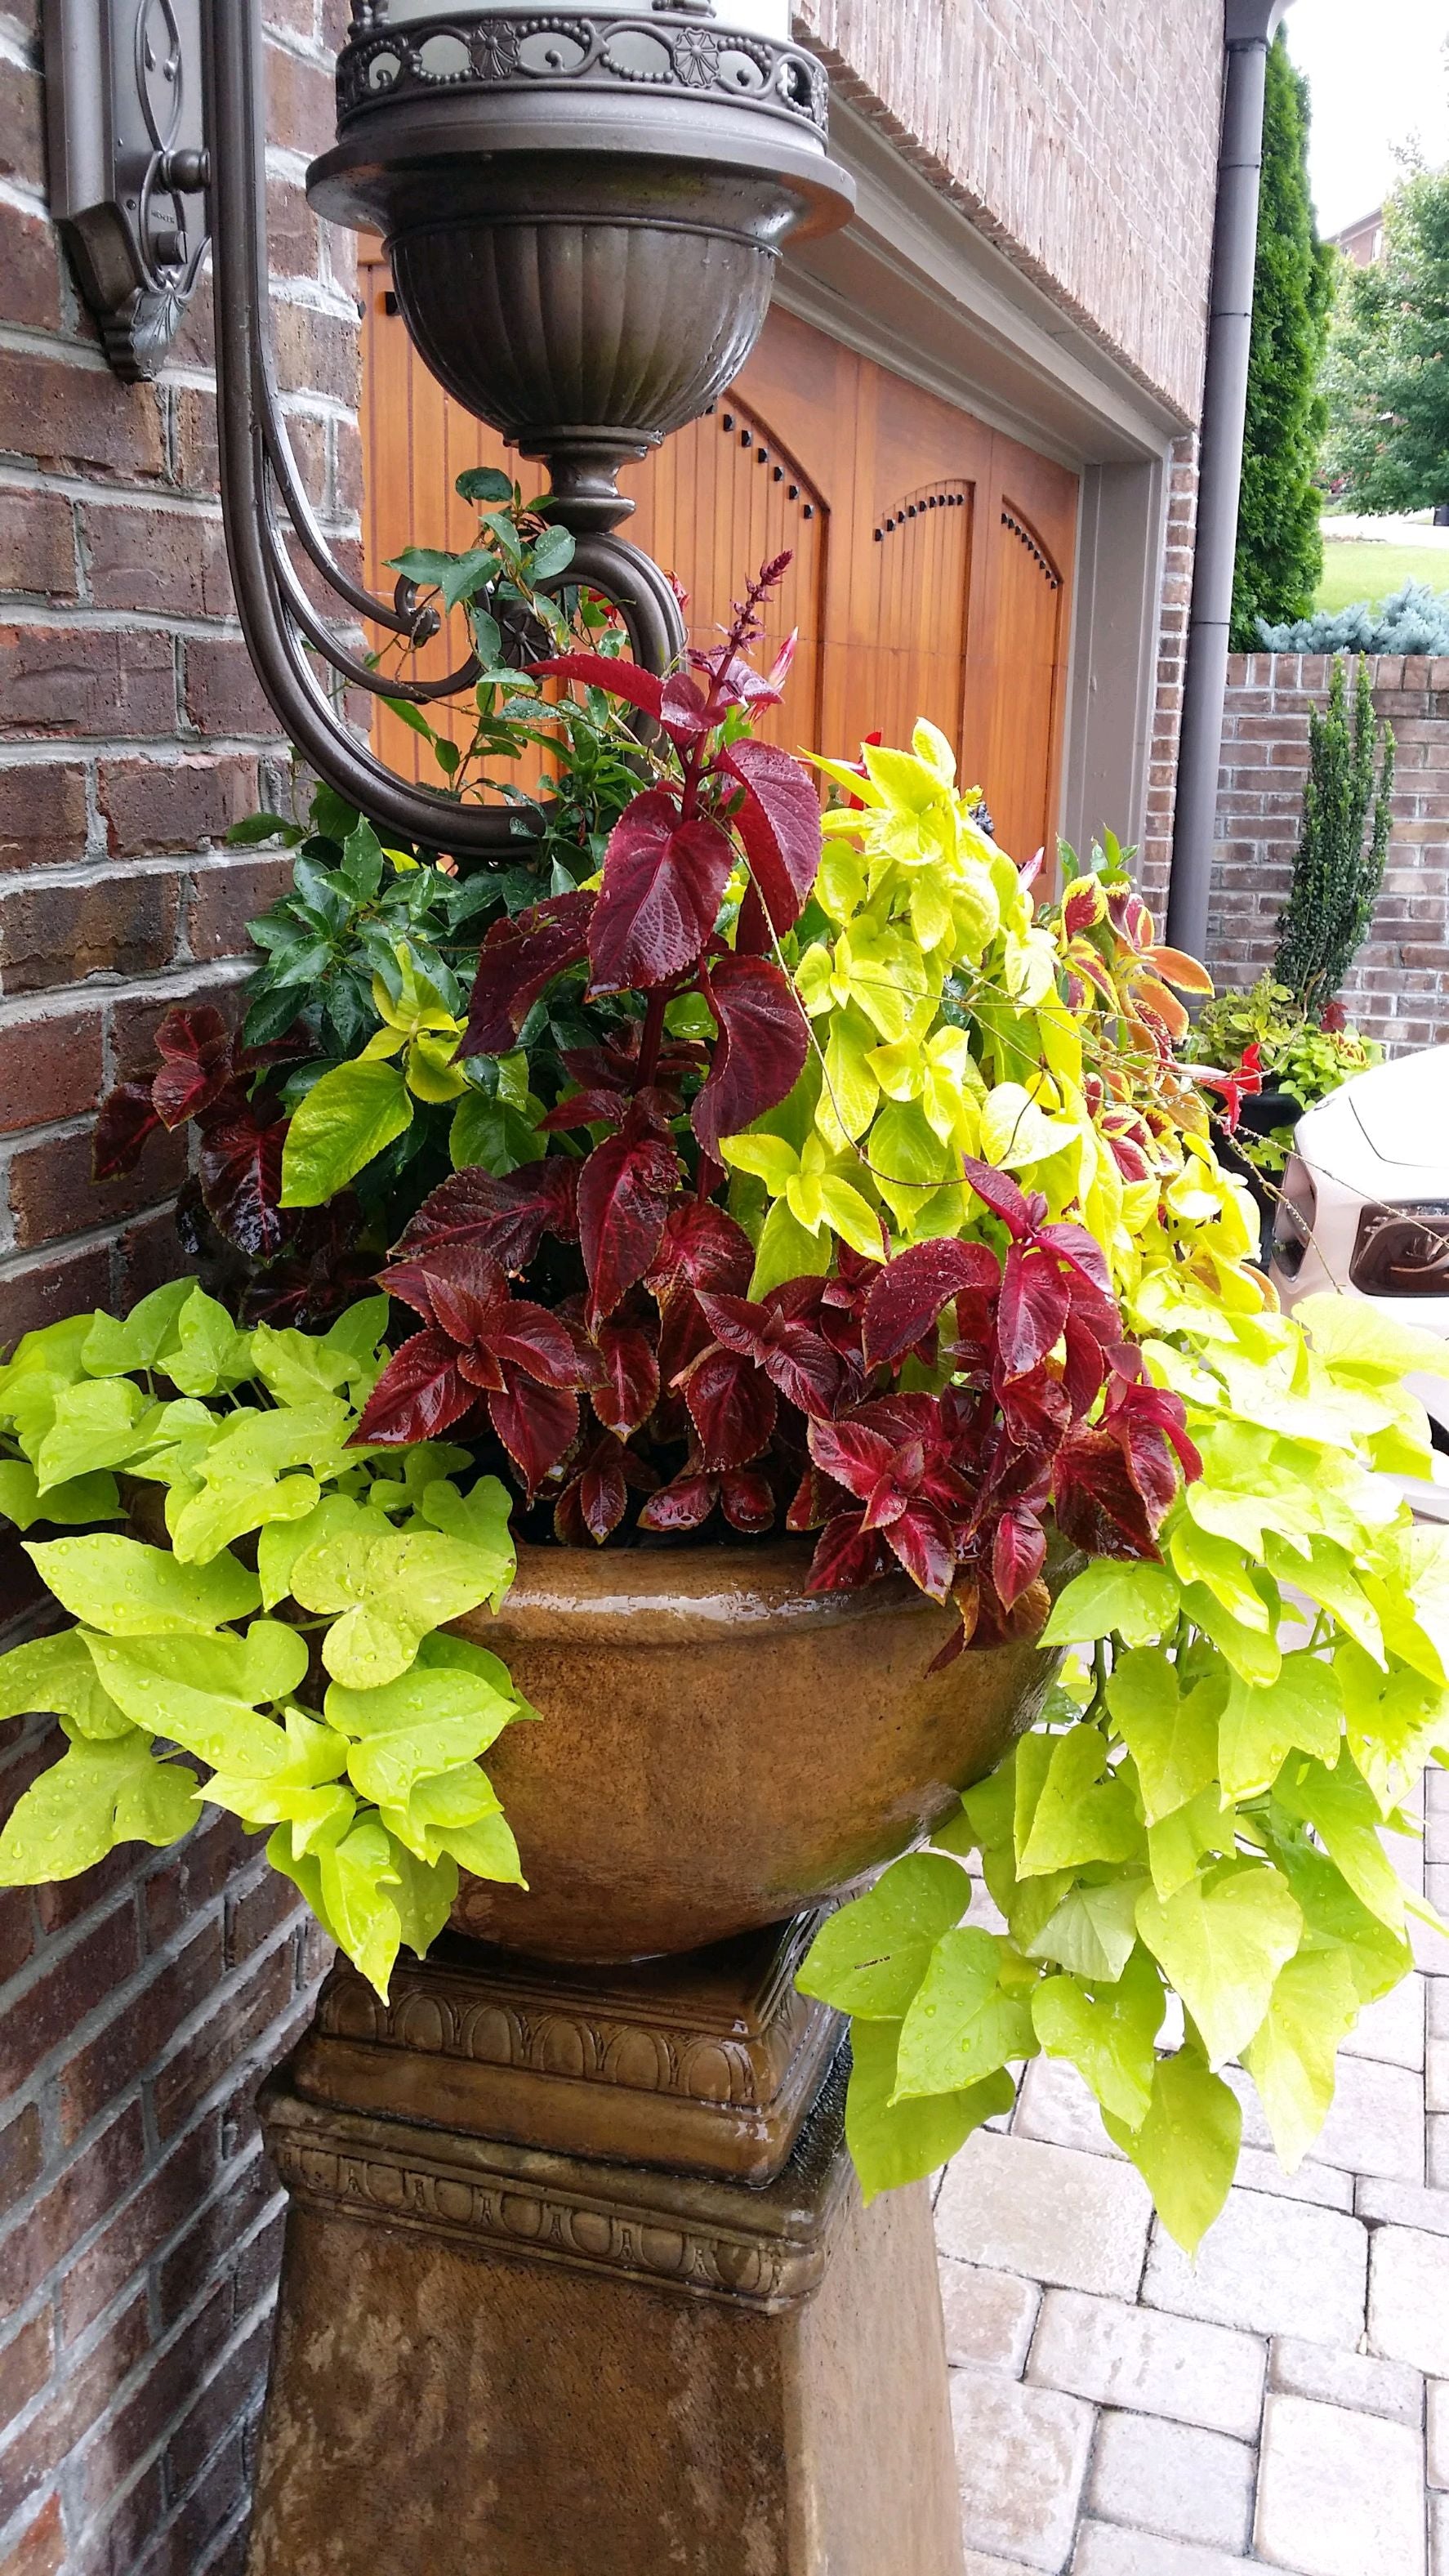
<point x="1399" y="989"/>
<point x="139" y="2006"/>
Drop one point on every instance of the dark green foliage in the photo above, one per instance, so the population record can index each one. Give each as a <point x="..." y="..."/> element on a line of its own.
<point x="1280" y="552"/>
<point x="1338" y="867"/>
<point x="1388" y="368"/>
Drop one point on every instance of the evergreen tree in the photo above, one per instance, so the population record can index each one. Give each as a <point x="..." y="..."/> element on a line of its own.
<point x="1387" y="377"/>
<point x="1338" y="867"/>
<point x="1280" y="553"/>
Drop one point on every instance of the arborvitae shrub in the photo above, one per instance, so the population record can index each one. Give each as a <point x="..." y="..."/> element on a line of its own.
<point x="1338" y="867"/>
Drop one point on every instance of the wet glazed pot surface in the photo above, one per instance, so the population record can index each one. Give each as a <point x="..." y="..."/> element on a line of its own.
<point x="719" y="1748"/>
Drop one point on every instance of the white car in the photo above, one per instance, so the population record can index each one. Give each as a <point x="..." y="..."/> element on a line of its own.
<point x="1365" y="1203"/>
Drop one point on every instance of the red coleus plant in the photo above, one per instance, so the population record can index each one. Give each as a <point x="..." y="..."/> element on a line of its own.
<point x="208" y="1078"/>
<point x="926" y="1413"/>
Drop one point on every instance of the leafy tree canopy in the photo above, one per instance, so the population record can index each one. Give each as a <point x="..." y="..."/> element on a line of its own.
<point x="1387" y="377"/>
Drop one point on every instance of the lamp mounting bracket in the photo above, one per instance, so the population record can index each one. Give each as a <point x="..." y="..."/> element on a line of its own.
<point x="128" y="165"/>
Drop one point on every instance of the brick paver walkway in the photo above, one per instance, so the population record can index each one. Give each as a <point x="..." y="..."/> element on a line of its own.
<point x="1285" y="2402"/>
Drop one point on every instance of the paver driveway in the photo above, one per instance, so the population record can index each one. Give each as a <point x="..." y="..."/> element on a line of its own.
<point x="1283" y="2403"/>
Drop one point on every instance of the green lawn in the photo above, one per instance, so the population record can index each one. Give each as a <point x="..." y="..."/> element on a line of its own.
<point x="1354" y="570"/>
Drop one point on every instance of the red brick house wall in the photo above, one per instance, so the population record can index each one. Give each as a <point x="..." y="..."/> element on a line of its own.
<point x="138" y="2006"/>
<point x="1399" y="989"/>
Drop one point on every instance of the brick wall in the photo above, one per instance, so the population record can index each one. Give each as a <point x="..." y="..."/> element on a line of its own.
<point x="1399" y="989"/>
<point x="1081" y="134"/>
<point x="138" y="2232"/>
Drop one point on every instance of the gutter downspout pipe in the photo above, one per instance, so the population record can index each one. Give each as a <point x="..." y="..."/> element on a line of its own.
<point x="1251" y="26"/>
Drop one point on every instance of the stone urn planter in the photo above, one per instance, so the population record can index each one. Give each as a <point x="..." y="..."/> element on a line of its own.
<point x="721" y="1749"/>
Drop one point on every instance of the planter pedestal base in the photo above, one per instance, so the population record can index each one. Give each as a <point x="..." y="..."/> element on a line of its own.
<point x="577" y="2282"/>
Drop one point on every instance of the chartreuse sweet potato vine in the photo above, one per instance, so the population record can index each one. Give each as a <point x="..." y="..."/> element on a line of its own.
<point x="1200" y="1812"/>
<point x="313" y="1686"/>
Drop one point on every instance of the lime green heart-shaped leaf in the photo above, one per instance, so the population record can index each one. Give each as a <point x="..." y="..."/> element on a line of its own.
<point x="1221" y="1942"/>
<point x="130" y="1590"/>
<point x="894" y="2141"/>
<point x="870" y="1958"/>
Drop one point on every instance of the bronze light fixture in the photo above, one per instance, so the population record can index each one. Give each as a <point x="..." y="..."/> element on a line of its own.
<point x="583" y="206"/>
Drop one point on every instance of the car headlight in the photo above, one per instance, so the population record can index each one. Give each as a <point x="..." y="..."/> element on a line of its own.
<point x="1402" y="1251"/>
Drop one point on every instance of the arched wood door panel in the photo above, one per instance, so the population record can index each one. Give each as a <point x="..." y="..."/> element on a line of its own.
<point x="932" y="557"/>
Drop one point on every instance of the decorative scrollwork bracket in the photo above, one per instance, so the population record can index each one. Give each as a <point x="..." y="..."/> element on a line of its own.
<point x="128" y="165"/>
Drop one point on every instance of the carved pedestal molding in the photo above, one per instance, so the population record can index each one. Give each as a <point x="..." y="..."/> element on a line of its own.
<point x="578" y="2283"/>
<point x="708" y="2063"/>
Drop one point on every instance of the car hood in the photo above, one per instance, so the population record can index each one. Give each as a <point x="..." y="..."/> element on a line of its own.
<point x="1396" y="1116"/>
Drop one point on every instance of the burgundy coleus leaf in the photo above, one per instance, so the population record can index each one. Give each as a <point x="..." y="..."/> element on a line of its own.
<point x="683" y="1337"/>
<point x="922" y="1541"/>
<point x="630" y="1388"/>
<point x="1086" y="1367"/>
<point x="747" y="1501"/>
<point x="537" y="1424"/>
<point x="664" y="882"/>
<point x="586" y="1109"/>
<point x="1020" y="1625"/>
<point x="908" y="1298"/>
<point x="853" y="1455"/>
<point x="240" y="1169"/>
<point x="518" y="961"/>
<point x="847" y="1555"/>
<point x="1018" y="1553"/>
<point x="596" y="1496"/>
<point x="1005" y="1197"/>
<point x="639" y="688"/>
<point x="508" y="1218"/>
<point x="127" y="1117"/>
<point x="1081" y="1254"/>
<point x="733" y="1406"/>
<point x="779" y="824"/>
<point x="1098" y="1507"/>
<point x="701" y="1247"/>
<point x="966" y="1602"/>
<point x="420" y="1393"/>
<point x="764" y="1039"/>
<point x="794" y="1358"/>
<point x="465" y="1293"/>
<point x="685" y="1504"/>
<point x="195" y="1048"/>
<point x="1036" y="1413"/>
<point x="817" y="1499"/>
<point x="625" y="1189"/>
<point x="1035" y="1303"/>
<point x="744" y="1497"/>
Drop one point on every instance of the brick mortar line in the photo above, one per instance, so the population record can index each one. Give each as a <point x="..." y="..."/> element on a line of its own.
<point x="154" y="751"/>
<point x="26" y="1010"/>
<point x="22" y="1265"/>
<point x="95" y="869"/>
<point x="70" y="486"/>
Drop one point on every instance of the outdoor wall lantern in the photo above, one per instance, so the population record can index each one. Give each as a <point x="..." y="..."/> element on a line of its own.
<point x="583" y="206"/>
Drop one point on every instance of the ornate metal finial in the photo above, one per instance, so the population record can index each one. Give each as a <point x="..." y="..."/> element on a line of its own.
<point x="127" y="161"/>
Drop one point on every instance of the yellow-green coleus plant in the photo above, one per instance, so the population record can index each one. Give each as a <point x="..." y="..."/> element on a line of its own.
<point x="285" y="1638"/>
<point x="950" y="1018"/>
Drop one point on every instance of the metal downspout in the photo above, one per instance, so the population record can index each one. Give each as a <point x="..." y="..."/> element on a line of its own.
<point x="1251" y="26"/>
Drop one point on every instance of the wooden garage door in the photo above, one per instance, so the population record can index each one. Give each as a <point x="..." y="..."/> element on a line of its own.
<point x="932" y="557"/>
